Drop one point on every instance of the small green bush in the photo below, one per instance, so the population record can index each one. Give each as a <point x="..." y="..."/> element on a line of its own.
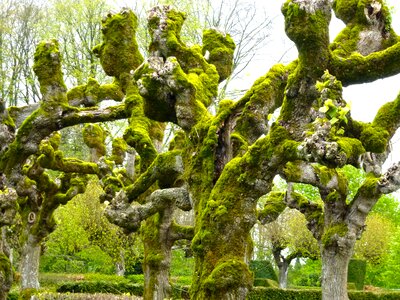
<point x="263" y="269"/>
<point x="356" y="272"/>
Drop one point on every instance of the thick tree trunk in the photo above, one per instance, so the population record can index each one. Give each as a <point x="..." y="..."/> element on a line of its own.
<point x="157" y="256"/>
<point x="30" y="263"/>
<point x="283" y="274"/>
<point x="334" y="273"/>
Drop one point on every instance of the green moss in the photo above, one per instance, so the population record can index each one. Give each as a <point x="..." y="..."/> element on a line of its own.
<point x="307" y="30"/>
<point x="374" y="139"/>
<point x="6" y="273"/>
<point x="345" y="10"/>
<point x="47" y="65"/>
<point x="273" y="207"/>
<point x="195" y="80"/>
<point x="352" y="12"/>
<point x="119" y="148"/>
<point x="94" y="137"/>
<point x="141" y="130"/>
<point x="220" y="49"/>
<point x="331" y="234"/>
<point x="227" y="276"/>
<point x="119" y="51"/>
<point x="92" y="93"/>
<point x="263" y="98"/>
<point x="27" y="294"/>
<point x="353" y="148"/>
<point x="293" y="171"/>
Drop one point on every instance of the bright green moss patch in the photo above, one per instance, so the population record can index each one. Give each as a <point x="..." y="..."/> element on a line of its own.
<point x="119" y="51"/>
<point x="331" y="234"/>
<point x="226" y="276"/>
<point x="220" y="48"/>
<point x="374" y="139"/>
<point x="94" y="137"/>
<point x="47" y="65"/>
<point x="273" y="207"/>
<point x="119" y="148"/>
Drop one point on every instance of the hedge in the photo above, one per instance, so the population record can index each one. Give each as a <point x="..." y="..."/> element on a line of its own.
<point x="356" y="272"/>
<point x="262" y="293"/>
<point x="101" y="287"/>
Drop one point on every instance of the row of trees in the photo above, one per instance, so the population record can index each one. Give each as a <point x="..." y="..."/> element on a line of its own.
<point x="219" y="164"/>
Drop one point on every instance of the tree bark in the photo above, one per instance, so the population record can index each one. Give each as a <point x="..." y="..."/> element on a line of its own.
<point x="283" y="274"/>
<point x="30" y="263"/>
<point x="6" y="272"/>
<point x="334" y="273"/>
<point x="157" y="253"/>
<point x="120" y="265"/>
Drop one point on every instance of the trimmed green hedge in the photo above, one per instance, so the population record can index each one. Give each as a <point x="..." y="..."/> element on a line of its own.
<point x="356" y="272"/>
<point x="262" y="293"/>
<point x="92" y="287"/>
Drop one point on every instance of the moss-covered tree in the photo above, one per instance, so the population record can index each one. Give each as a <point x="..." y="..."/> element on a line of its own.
<point x="220" y="164"/>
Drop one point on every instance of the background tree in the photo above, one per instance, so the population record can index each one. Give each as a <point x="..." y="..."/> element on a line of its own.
<point x="84" y="241"/>
<point x="19" y="32"/>
<point x="289" y="239"/>
<point x="77" y="27"/>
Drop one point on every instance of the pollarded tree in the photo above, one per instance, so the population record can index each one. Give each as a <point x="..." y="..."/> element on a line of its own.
<point x="289" y="238"/>
<point x="224" y="163"/>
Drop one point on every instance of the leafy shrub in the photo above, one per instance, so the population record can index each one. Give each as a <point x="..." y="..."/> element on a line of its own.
<point x="263" y="269"/>
<point x="356" y="272"/>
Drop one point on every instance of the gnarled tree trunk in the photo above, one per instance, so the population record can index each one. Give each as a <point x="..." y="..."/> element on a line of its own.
<point x="157" y="251"/>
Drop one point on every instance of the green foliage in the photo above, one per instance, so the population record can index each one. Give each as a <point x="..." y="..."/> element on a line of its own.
<point x="391" y="274"/>
<point x="356" y="272"/>
<point x="307" y="274"/>
<point x="374" y="244"/>
<point x="263" y="269"/>
<point x="101" y="287"/>
<point x="180" y="264"/>
<point x="265" y="282"/>
<point x="261" y="293"/>
<point x="84" y="241"/>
